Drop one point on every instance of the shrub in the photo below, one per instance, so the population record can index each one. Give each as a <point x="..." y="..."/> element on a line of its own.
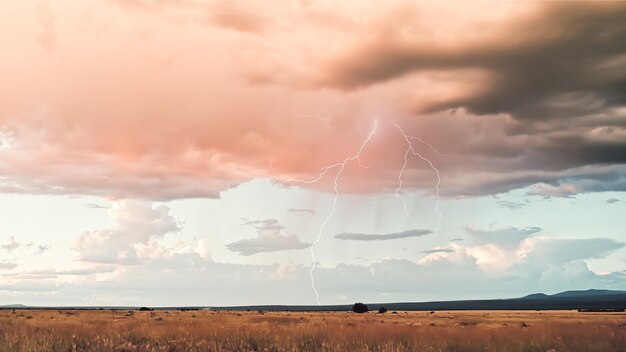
<point x="382" y="310"/>
<point x="360" y="308"/>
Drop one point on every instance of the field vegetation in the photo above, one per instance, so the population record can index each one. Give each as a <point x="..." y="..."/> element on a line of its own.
<point x="502" y="331"/>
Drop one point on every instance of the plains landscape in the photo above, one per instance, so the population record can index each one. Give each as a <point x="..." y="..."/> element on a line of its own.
<point x="205" y="330"/>
<point x="254" y="173"/>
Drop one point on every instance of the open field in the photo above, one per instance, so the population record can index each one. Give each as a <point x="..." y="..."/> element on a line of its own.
<point x="105" y="330"/>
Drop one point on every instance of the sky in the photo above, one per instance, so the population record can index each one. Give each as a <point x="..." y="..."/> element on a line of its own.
<point x="168" y="153"/>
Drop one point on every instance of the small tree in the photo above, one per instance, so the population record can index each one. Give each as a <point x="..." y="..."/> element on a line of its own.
<point x="360" y="308"/>
<point x="382" y="310"/>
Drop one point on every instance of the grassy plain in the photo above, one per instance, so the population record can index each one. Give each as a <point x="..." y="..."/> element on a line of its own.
<point x="502" y="331"/>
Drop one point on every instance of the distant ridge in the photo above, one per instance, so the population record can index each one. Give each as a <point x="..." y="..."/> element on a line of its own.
<point x="536" y="296"/>
<point x="575" y="293"/>
<point x="585" y="300"/>
<point x="587" y="293"/>
<point x="13" y="306"/>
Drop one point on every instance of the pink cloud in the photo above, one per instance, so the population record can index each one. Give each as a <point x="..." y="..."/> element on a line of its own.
<point x="159" y="101"/>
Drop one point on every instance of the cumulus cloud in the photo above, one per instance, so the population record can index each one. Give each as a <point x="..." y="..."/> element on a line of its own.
<point x="530" y="258"/>
<point x="382" y="237"/>
<point x="137" y="227"/>
<point x="268" y="239"/>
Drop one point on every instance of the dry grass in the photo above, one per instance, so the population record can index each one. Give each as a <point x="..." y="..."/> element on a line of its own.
<point x="252" y="331"/>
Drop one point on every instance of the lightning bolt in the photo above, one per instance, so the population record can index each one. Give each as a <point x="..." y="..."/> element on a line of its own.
<point x="411" y="149"/>
<point x="340" y="167"/>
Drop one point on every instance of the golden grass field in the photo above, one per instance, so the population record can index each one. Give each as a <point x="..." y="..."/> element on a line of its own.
<point x="105" y="330"/>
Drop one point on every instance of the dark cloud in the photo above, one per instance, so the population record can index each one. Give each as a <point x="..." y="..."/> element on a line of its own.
<point x="561" y="183"/>
<point x="567" y="59"/>
<point x="487" y="155"/>
<point x="612" y="200"/>
<point x="382" y="237"/>
<point x="546" y="110"/>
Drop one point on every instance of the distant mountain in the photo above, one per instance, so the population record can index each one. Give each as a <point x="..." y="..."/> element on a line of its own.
<point x="587" y="293"/>
<point x="575" y="294"/>
<point x="13" y="306"/>
<point x="536" y="296"/>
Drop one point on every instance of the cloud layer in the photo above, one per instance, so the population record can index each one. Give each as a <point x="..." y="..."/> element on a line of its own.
<point x="520" y="95"/>
<point x="456" y="272"/>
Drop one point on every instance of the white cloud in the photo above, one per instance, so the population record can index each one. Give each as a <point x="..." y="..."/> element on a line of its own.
<point x="138" y="226"/>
